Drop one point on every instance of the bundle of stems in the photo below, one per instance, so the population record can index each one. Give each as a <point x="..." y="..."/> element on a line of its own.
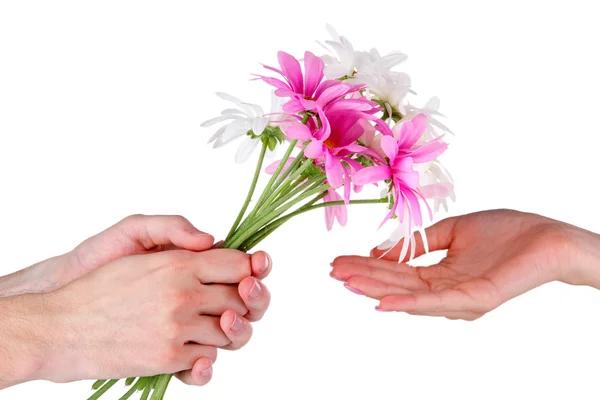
<point x="291" y="191"/>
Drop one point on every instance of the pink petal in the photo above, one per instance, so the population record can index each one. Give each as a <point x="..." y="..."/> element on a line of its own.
<point x="389" y="147"/>
<point x="325" y="85"/>
<point x="314" y="149"/>
<point x="429" y="151"/>
<point x="298" y="132"/>
<point x="277" y="83"/>
<point x="346" y="184"/>
<point x="291" y="71"/>
<point x="411" y="131"/>
<point x="371" y="175"/>
<point x="273" y="167"/>
<point x="414" y="207"/>
<point x="334" y="171"/>
<point x="313" y="71"/>
<point x="332" y="93"/>
<point x="437" y="190"/>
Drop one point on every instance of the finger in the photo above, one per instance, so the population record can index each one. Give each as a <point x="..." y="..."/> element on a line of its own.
<point x="206" y="330"/>
<point x="439" y="237"/>
<point x="200" y="373"/>
<point x="409" y="281"/>
<point x="191" y="352"/>
<point x="261" y="264"/>
<point x="437" y="302"/>
<point x="374" y="262"/>
<point x="256" y="297"/>
<point x="220" y="265"/>
<point x="150" y="231"/>
<point x="237" y="329"/>
<point x="138" y="234"/>
<point x="216" y="299"/>
<point x="373" y="288"/>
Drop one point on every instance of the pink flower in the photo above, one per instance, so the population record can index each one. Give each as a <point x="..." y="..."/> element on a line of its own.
<point x="334" y="150"/>
<point x="334" y="212"/>
<point x="401" y="154"/>
<point x="308" y="91"/>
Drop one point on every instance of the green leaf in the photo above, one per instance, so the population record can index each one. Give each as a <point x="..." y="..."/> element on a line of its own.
<point x="272" y="144"/>
<point x="129" y="381"/>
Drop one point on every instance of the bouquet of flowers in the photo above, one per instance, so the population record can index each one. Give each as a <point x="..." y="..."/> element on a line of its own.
<point x="345" y="122"/>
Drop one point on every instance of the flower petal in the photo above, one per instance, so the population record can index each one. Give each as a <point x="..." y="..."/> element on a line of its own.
<point x="371" y="175"/>
<point x="291" y="71"/>
<point x="313" y="73"/>
<point x="389" y="147"/>
<point x="246" y="148"/>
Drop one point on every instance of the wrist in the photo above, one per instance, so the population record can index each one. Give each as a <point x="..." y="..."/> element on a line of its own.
<point x="25" y="345"/>
<point x="582" y="258"/>
<point x="42" y="277"/>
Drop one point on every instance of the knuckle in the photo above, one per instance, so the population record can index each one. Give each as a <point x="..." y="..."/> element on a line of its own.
<point x="173" y="332"/>
<point x="180" y="220"/>
<point x="133" y="219"/>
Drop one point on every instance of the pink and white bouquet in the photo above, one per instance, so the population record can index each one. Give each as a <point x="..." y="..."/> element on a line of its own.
<point x="345" y="122"/>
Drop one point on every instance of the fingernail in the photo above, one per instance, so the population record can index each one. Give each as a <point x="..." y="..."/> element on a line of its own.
<point x="218" y="245"/>
<point x="267" y="264"/>
<point x="237" y="324"/>
<point x="331" y="264"/>
<point x="255" y="291"/>
<point x="334" y="276"/>
<point x="378" y="308"/>
<point x="353" y="290"/>
<point x="207" y="372"/>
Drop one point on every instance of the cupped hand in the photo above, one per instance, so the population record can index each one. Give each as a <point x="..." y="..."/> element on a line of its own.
<point x="164" y="312"/>
<point x="493" y="256"/>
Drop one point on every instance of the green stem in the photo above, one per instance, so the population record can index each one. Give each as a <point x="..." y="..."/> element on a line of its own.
<point x="271" y="227"/>
<point x="148" y="388"/>
<point x="103" y="389"/>
<point x="131" y="391"/>
<point x="267" y="191"/>
<point x="250" y="191"/>
<point x="318" y="187"/>
<point x="280" y="187"/>
<point x="161" y="386"/>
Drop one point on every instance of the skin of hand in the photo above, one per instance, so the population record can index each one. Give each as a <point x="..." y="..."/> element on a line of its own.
<point x="493" y="256"/>
<point x="135" y="235"/>
<point x="140" y="315"/>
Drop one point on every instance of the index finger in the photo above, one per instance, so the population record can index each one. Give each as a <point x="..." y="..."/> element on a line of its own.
<point x="220" y="266"/>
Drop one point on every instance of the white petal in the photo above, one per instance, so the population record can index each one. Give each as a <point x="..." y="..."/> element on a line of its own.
<point x="234" y="130"/>
<point x="243" y="106"/>
<point x="258" y="125"/>
<point x="232" y="111"/>
<point x="433" y="103"/>
<point x="216" y="120"/>
<point x="218" y="133"/>
<point x="246" y="148"/>
<point x="332" y="32"/>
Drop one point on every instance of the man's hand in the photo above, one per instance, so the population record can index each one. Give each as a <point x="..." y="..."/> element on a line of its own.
<point x="144" y="315"/>
<point x="136" y="234"/>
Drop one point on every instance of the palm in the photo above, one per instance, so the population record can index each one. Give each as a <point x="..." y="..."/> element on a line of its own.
<point x="492" y="257"/>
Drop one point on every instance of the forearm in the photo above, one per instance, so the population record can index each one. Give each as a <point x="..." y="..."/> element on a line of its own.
<point x="38" y="278"/>
<point x="24" y="339"/>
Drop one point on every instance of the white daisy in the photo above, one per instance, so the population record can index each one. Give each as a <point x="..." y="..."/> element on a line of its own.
<point x="241" y="120"/>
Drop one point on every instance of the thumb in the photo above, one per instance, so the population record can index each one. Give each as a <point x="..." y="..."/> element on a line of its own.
<point x="138" y="234"/>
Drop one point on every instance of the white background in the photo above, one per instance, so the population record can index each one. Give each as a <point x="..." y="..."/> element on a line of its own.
<point x="100" y="105"/>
